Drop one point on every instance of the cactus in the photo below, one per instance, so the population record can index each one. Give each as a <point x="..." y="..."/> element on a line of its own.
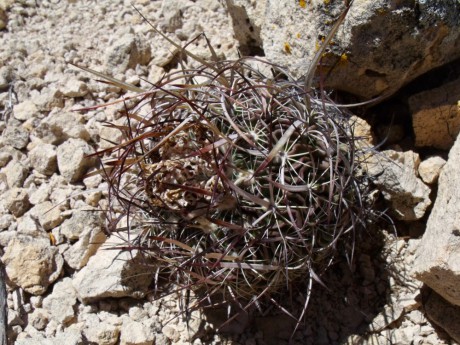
<point x="236" y="184"/>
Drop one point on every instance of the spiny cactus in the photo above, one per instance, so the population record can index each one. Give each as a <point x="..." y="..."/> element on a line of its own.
<point x="237" y="184"/>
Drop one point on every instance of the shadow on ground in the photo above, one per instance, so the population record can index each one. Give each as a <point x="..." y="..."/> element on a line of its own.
<point x="353" y="297"/>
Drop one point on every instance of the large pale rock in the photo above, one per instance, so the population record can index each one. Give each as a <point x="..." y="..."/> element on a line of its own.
<point x="395" y="174"/>
<point x="72" y="159"/>
<point x="437" y="262"/>
<point x="382" y="45"/>
<point x="84" y="227"/>
<point x="113" y="273"/>
<point x="436" y="116"/>
<point x="61" y="303"/>
<point x="247" y="20"/>
<point x="32" y="263"/>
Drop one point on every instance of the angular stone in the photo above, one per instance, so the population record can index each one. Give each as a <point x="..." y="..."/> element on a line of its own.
<point x="48" y="98"/>
<point x="39" y="318"/>
<point x="32" y="263"/>
<point x="16" y="136"/>
<point x="61" y="303"/>
<point x="16" y="172"/>
<point x="48" y="215"/>
<point x="5" y="221"/>
<point x="67" y="337"/>
<point x="16" y="200"/>
<point x="102" y="333"/>
<point x="437" y="261"/>
<point x="25" y="110"/>
<point x="72" y="159"/>
<point x="85" y="226"/>
<point x="43" y="158"/>
<point x="136" y="333"/>
<point x="127" y="52"/>
<point x="28" y="226"/>
<point x="113" y="272"/>
<point x="74" y="88"/>
<point x="60" y="126"/>
<point x="395" y="174"/>
<point x="430" y="169"/>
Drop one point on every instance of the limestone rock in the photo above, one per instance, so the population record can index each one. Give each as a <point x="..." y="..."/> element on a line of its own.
<point x="16" y="136"/>
<point x="68" y="337"/>
<point x="112" y="273"/>
<point x="171" y="333"/>
<point x="43" y="159"/>
<point x="5" y="221"/>
<point x="381" y="46"/>
<point x="437" y="261"/>
<point x="247" y="20"/>
<point x="430" y="169"/>
<point x="60" y="126"/>
<point x="16" y="172"/>
<point x="137" y="333"/>
<point x="39" y="195"/>
<point x="395" y="174"/>
<point x="102" y="333"/>
<point x="127" y="52"/>
<point x="84" y="227"/>
<point x="48" y="99"/>
<point x="32" y="263"/>
<point x="39" y="318"/>
<point x="72" y="159"/>
<point x="172" y="14"/>
<point x="16" y="200"/>
<point x="109" y="135"/>
<point x="81" y="221"/>
<point x="436" y="116"/>
<point x="61" y="303"/>
<point x="25" y="110"/>
<point x="28" y="226"/>
<point x="74" y="88"/>
<point x="48" y="215"/>
<point x="444" y="314"/>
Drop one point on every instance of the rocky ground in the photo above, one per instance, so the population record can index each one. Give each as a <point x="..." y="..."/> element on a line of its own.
<point x="63" y="288"/>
